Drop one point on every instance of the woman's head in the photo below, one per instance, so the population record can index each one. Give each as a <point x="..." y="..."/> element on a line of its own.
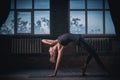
<point x="53" y="52"/>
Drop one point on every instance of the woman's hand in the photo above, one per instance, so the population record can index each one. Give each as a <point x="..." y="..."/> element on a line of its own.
<point x="52" y="75"/>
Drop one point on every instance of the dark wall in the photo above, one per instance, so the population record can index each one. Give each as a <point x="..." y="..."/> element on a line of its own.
<point x="4" y="10"/>
<point x="59" y="16"/>
<point x="115" y="14"/>
<point x="59" y="25"/>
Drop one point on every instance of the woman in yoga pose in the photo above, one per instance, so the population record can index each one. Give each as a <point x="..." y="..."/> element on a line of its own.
<point x="58" y="45"/>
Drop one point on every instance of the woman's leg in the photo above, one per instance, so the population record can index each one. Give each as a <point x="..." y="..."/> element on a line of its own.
<point x="93" y="54"/>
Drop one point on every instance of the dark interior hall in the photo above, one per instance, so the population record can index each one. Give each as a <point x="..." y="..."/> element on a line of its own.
<point x="24" y="56"/>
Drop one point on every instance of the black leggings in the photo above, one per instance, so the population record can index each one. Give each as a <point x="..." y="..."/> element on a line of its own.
<point x="90" y="49"/>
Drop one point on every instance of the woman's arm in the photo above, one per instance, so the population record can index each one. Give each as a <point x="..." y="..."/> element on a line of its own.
<point x="60" y="51"/>
<point x="49" y="41"/>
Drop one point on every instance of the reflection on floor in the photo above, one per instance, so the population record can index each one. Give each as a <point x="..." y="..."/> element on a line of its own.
<point x="63" y="74"/>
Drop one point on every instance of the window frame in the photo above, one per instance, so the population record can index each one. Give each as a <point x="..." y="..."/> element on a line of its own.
<point x="104" y="9"/>
<point x="32" y="10"/>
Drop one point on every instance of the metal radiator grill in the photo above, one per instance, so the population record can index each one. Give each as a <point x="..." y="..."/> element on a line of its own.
<point x="26" y="45"/>
<point x="101" y="45"/>
<point x="34" y="45"/>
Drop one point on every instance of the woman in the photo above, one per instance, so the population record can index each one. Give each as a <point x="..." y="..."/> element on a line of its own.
<point x="58" y="45"/>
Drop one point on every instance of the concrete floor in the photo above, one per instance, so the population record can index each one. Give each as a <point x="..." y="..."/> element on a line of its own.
<point x="63" y="74"/>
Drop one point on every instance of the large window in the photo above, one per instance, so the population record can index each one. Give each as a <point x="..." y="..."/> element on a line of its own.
<point x="90" y="17"/>
<point x="77" y="22"/>
<point x="28" y="17"/>
<point x="23" y="22"/>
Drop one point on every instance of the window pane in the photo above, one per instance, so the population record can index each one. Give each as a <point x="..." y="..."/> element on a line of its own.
<point x="41" y="4"/>
<point x="106" y="4"/>
<point x="94" y="4"/>
<point x="23" y="22"/>
<point x="12" y="4"/>
<point x="95" y="22"/>
<point x="77" y="22"/>
<point x="8" y="26"/>
<point x="24" y="4"/>
<point x="77" y="4"/>
<point x="109" y="26"/>
<point x="41" y="22"/>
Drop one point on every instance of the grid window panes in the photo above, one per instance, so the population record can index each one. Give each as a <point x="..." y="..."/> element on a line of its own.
<point x="92" y="16"/>
<point x="23" y="22"/>
<point x="77" y="4"/>
<point x="41" y="4"/>
<point x="95" y="22"/>
<point x="94" y="4"/>
<point x="41" y="22"/>
<point x="24" y="4"/>
<point x="28" y="17"/>
<point x="77" y="22"/>
<point x="41" y="17"/>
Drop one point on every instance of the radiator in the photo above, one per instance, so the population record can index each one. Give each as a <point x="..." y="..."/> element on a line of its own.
<point x="101" y="45"/>
<point x="33" y="45"/>
<point x="26" y="45"/>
